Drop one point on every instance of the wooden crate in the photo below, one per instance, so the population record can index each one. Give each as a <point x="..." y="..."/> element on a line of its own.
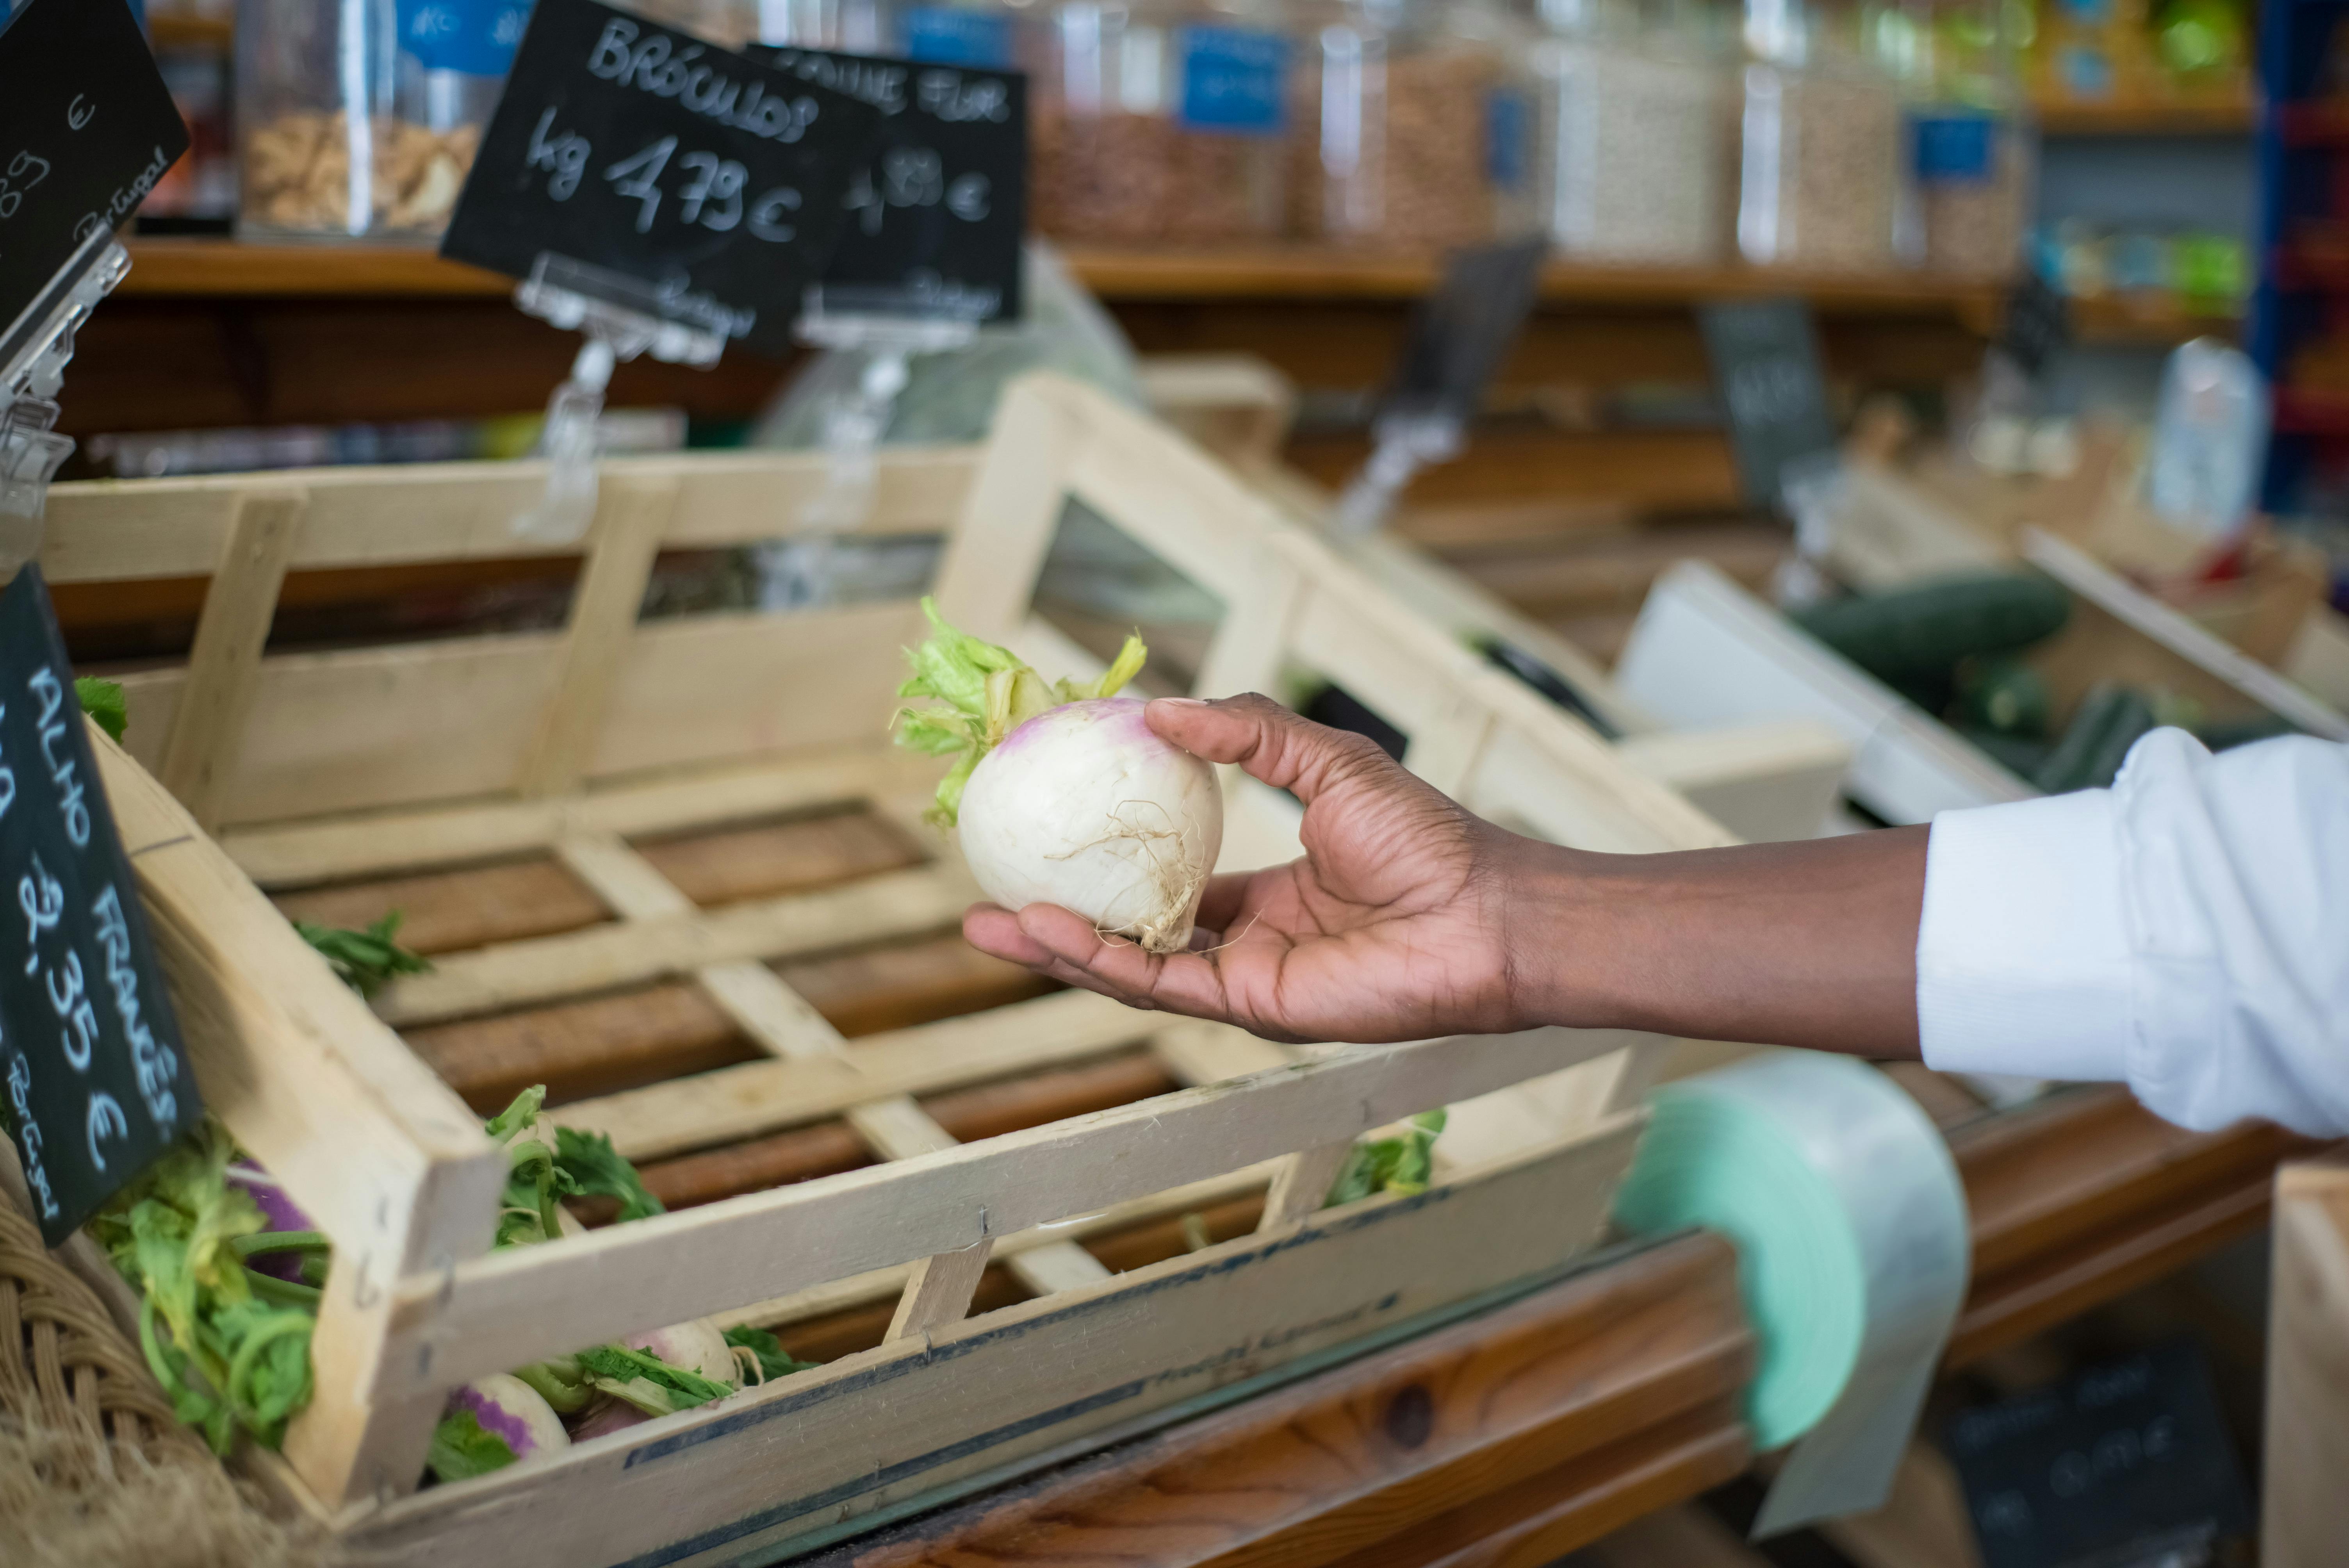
<point x="590" y="750"/>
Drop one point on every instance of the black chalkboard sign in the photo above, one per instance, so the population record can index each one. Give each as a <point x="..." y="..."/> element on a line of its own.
<point x="707" y="185"/>
<point x="1460" y="335"/>
<point x="2122" y="1461"/>
<point x="2038" y="325"/>
<point x="92" y="1069"/>
<point x="87" y="128"/>
<point x="935" y="221"/>
<point x="1765" y="359"/>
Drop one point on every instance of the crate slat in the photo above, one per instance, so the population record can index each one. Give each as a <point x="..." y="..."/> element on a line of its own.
<point x="508" y="1308"/>
<point x="602" y="957"/>
<point x="463" y="512"/>
<point x="302" y="853"/>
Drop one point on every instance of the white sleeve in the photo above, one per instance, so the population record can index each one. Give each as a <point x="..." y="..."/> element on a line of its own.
<point x="2187" y="930"/>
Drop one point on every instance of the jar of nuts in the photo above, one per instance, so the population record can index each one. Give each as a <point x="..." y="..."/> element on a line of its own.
<point x="1821" y="179"/>
<point x="360" y="117"/>
<point x="1157" y="123"/>
<point x="1632" y="154"/>
<point x="1412" y="124"/>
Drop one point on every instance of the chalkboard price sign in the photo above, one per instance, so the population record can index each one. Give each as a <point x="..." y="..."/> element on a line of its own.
<point x="2123" y="1463"/>
<point x="92" y="1069"/>
<point x="707" y="185"/>
<point x="1766" y="360"/>
<point x="87" y="128"/>
<point x="937" y="219"/>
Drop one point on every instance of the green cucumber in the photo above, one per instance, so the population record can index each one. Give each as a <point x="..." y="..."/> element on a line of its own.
<point x="2004" y="695"/>
<point x="2110" y="719"/>
<point x="1917" y="635"/>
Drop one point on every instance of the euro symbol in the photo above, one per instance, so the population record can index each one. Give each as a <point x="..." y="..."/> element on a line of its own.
<point x="79" y="113"/>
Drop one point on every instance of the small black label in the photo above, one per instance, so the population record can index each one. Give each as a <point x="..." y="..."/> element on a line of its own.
<point x="1462" y="333"/>
<point x="1766" y="358"/>
<point x="937" y="219"/>
<point x="708" y="185"/>
<point x="87" y="128"/>
<point x="92" y="1073"/>
<point x="2116" y="1466"/>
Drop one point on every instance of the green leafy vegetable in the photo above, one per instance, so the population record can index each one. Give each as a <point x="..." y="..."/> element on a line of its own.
<point x="366" y="961"/>
<point x="1401" y="1165"/>
<point x="103" y="701"/>
<point x="596" y="1170"/>
<point x="560" y="1381"/>
<point x="463" y="1448"/>
<point x="987" y="693"/>
<point x="648" y="1382"/>
<point x="230" y="1350"/>
<point x="773" y="1361"/>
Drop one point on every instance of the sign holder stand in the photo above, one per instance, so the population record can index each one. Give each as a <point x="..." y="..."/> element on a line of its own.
<point x="578" y="298"/>
<point x="798" y="571"/>
<point x="1406" y="443"/>
<point x="30" y="448"/>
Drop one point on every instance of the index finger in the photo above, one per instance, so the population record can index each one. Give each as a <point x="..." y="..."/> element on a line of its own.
<point x="1268" y="741"/>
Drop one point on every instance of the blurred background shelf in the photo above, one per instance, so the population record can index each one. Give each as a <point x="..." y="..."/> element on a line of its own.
<point x="2233" y="114"/>
<point x="215" y="268"/>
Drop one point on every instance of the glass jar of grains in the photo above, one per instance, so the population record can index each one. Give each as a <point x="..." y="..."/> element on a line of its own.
<point x="850" y="27"/>
<point x="1970" y="144"/>
<point x="360" y="117"/>
<point x="1412" y="124"/>
<point x="1821" y="166"/>
<point x="1157" y="121"/>
<point x="1631" y="132"/>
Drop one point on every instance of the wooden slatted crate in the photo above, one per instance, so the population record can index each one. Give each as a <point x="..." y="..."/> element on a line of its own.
<point x="629" y="838"/>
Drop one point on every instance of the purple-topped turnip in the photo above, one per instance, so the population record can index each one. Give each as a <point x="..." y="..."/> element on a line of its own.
<point x="1062" y="793"/>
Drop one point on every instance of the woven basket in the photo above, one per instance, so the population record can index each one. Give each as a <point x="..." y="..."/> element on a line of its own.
<point x="94" y="1471"/>
<point x="75" y="1373"/>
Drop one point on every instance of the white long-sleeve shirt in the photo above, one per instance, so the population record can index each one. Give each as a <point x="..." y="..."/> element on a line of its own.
<point x="2186" y="930"/>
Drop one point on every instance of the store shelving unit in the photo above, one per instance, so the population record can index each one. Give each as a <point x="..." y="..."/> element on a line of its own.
<point x="2304" y="267"/>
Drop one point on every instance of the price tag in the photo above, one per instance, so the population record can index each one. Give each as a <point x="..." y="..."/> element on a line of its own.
<point x="936" y="220"/>
<point x="87" y="128"/>
<point x="2125" y="1463"/>
<point x="698" y="185"/>
<point x="92" y="1073"/>
<point x="1765" y="359"/>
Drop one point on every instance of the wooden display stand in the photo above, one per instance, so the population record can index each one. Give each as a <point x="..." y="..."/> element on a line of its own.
<point x="2304" y="1513"/>
<point x="594" y="748"/>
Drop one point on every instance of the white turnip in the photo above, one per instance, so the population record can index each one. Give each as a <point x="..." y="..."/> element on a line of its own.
<point x="511" y="1410"/>
<point x="1062" y="793"/>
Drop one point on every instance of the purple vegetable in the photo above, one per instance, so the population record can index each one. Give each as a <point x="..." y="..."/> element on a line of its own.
<point x="511" y="1408"/>
<point x="278" y="1212"/>
<point x="607" y="1417"/>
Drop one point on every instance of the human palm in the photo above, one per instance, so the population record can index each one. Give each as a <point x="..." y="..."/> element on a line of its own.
<point x="1392" y="927"/>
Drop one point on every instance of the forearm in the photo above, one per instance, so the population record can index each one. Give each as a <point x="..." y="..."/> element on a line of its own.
<point x="1808" y="943"/>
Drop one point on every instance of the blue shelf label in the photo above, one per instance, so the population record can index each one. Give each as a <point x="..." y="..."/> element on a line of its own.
<point x="473" y="37"/>
<point x="1233" y="79"/>
<point x="952" y="36"/>
<point x="1953" y="146"/>
<point x="1508" y="131"/>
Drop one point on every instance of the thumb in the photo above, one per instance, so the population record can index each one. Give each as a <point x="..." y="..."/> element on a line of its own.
<point x="1268" y="741"/>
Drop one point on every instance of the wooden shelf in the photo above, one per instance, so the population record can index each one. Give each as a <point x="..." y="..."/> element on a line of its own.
<point x="195" y="268"/>
<point x="2152" y="320"/>
<point x="191" y="33"/>
<point x="225" y="269"/>
<point x="1513" y="1438"/>
<point x="2219" y="115"/>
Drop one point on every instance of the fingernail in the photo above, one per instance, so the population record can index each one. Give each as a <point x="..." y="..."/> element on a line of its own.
<point x="1180" y="702"/>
